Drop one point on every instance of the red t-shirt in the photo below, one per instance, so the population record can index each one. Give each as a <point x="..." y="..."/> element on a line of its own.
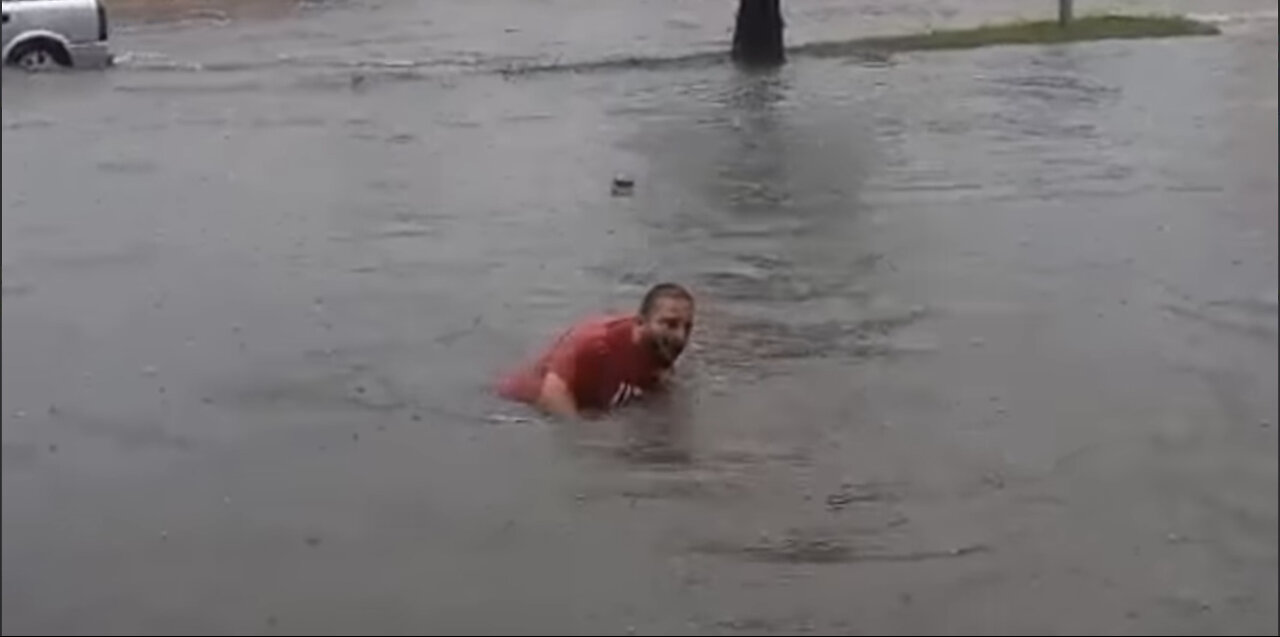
<point x="599" y="361"/>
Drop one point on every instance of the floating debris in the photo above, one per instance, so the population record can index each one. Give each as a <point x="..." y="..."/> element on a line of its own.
<point x="623" y="185"/>
<point x="838" y="501"/>
<point x="850" y="493"/>
<point x="993" y="479"/>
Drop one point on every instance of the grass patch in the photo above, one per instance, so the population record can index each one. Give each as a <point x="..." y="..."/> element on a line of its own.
<point x="1085" y="28"/>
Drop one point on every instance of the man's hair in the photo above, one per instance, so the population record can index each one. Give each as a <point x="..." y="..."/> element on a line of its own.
<point x="663" y="291"/>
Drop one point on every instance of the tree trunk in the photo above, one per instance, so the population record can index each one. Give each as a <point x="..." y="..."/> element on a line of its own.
<point x="757" y="36"/>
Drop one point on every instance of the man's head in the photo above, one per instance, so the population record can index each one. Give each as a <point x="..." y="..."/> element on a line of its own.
<point x="665" y="320"/>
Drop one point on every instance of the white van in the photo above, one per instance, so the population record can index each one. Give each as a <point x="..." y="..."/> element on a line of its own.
<point x="40" y="34"/>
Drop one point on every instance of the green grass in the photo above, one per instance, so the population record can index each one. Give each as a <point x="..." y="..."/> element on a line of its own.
<point x="1084" y="28"/>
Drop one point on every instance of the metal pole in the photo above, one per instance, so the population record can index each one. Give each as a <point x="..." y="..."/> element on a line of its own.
<point x="1064" y="13"/>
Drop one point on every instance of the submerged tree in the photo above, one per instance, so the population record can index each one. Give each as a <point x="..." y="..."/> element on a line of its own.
<point x="757" y="35"/>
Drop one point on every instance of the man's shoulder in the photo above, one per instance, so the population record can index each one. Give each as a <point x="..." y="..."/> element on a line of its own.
<point x="600" y="324"/>
<point x="598" y="331"/>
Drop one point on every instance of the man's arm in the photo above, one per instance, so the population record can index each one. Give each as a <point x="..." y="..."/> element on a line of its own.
<point x="556" y="398"/>
<point x="579" y="357"/>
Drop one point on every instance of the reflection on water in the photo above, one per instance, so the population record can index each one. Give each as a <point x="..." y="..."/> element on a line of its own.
<point x="656" y="440"/>
<point x="753" y="172"/>
<point x="655" y="434"/>
<point x="761" y="210"/>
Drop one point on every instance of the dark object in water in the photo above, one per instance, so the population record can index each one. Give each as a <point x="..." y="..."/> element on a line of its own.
<point x="623" y="185"/>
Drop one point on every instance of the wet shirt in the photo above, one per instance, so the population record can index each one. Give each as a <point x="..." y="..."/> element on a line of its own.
<point x="599" y="361"/>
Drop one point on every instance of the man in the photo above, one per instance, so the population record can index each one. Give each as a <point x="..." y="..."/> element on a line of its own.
<point x="604" y="363"/>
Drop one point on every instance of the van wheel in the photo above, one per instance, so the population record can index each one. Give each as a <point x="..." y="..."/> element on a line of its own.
<point x="39" y="55"/>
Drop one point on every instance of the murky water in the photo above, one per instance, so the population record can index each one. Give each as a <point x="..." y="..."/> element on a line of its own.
<point x="988" y="338"/>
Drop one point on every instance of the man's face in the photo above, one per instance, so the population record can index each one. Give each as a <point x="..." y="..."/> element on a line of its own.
<point x="666" y="328"/>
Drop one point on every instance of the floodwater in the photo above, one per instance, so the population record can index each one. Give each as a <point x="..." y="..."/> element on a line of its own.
<point x="987" y="343"/>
